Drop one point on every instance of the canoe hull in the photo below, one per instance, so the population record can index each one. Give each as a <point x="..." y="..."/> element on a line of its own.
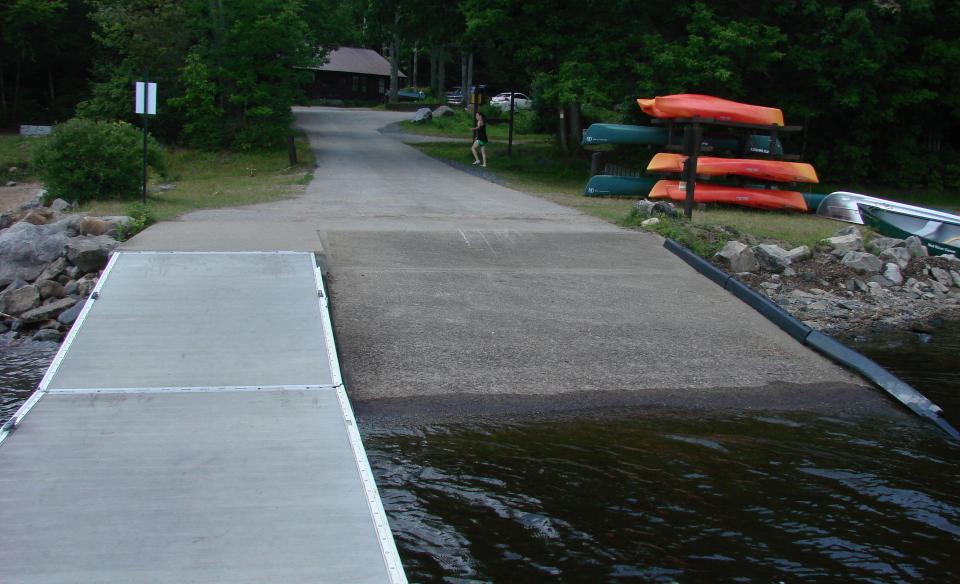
<point x="688" y="105"/>
<point x="599" y="134"/>
<point x="603" y="185"/>
<point x="843" y="206"/>
<point x="771" y="200"/>
<point x="940" y="237"/>
<point x="772" y="170"/>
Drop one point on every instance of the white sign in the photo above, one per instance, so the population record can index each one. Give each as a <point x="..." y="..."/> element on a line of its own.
<point x="146" y="100"/>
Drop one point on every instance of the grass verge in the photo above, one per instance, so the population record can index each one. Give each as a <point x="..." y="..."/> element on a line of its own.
<point x="16" y="152"/>
<point x="459" y="125"/>
<point x="540" y="169"/>
<point x="209" y="180"/>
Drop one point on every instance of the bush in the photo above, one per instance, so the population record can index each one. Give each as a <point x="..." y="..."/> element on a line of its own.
<point x="141" y="217"/>
<point x="86" y="160"/>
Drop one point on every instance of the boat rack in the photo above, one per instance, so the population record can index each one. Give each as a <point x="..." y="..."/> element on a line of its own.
<point x="692" y="145"/>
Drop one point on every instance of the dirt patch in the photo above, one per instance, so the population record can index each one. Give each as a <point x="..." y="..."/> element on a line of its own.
<point x="12" y="197"/>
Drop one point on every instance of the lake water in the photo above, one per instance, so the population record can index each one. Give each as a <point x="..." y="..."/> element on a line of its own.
<point x="666" y="495"/>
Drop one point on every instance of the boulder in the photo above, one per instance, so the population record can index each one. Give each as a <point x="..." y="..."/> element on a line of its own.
<point x="878" y="279"/>
<point x="6" y="220"/>
<point x="840" y="245"/>
<point x="862" y="262"/>
<point x="93" y="226"/>
<point x="737" y="257"/>
<point x="942" y="276"/>
<point x="89" y="253"/>
<point x="897" y="255"/>
<point x="50" y="289"/>
<point x="47" y="311"/>
<point x="69" y="226"/>
<point x="443" y="111"/>
<point x="891" y="271"/>
<point x="650" y="222"/>
<point x="772" y="258"/>
<point x="69" y="316"/>
<point x="115" y="221"/>
<point x="16" y="302"/>
<point x="644" y="207"/>
<point x="71" y="287"/>
<point x="955" y="276"/>
<point x="877" y="245"/>
<point x="48" y="335"/>
<point x="848" y="230"/>
<point x="916" y="247"/>
<point x="59" y="205"/>
<point x="38" y="216"/>
<point x="423" y="115"/>
<point x="86" y="284"/>
<point x="798" y="254"/>
<point x="26" y="249"/>
<point x="54" y="270"/>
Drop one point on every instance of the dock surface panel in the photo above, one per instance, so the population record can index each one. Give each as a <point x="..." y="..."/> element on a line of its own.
<point x="158" y="461"/>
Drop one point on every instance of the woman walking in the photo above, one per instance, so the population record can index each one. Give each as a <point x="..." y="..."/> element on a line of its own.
<point x="480" y="139"/>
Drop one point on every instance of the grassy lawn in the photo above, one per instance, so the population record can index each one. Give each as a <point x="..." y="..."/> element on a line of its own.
<point x="540" y="170"/>
<point x="16" y="151"/>
<point x="208" y="180"/>
<point x="458" y="126"/>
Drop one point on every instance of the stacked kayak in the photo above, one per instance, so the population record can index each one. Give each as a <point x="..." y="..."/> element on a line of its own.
<point x="688" y="105"/>
<point x="769" y="199"/>
<point x="771" y="170"/>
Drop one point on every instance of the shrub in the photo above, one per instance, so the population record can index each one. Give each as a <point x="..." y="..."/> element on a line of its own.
<point x="88" y="160"/>
<point x="141" y="217"/>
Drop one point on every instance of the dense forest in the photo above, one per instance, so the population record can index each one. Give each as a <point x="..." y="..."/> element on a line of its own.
<point x="876" y="83"/>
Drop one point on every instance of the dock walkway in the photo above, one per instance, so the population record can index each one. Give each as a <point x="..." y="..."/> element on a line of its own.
<point x="194" y="428"/>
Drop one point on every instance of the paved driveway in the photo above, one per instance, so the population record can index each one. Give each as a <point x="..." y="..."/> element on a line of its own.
<point x="455" y="295"/>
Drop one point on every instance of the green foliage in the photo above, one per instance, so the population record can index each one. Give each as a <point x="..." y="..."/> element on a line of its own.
<point x="86" y="160"/>
<point x="141" y="217"/>
<point x="197" y="107"/>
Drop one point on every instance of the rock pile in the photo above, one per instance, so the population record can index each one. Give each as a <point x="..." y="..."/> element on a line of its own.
<point x="849" y="285"/>
<point x="49" y="263"/>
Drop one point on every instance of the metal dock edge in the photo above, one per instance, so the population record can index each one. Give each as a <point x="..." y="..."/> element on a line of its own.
<point x="194" y="427"/>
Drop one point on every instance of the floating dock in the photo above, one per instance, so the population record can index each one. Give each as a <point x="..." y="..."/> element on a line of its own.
<point x="194" y="427"/>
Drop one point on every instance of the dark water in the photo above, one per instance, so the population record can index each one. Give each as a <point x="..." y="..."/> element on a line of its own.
<point x="665" y="496"/>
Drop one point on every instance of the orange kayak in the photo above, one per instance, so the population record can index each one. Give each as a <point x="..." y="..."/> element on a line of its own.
<point x="688" y="105"/>
<point x="775" y="170"/>
<point x="711" y="193"/>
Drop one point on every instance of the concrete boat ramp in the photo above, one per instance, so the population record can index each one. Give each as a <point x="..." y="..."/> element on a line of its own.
<point x="194" y="428"/>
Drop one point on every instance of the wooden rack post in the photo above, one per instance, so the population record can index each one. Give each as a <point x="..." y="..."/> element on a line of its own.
<point x="692" y="136"/>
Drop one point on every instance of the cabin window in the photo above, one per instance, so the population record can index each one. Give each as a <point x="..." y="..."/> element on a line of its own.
<point x="383" y="86"/>
<point x="356" y="83"/>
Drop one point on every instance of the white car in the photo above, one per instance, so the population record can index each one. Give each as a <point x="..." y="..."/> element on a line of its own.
<point x="520" y="101"/>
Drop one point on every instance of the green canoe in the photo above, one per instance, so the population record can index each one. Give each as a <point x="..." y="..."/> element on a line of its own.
<point x="941" y="236"/>
<point x="604" y="185"/>
<point x="598" y="134"/>
<point x="813" y="200"/>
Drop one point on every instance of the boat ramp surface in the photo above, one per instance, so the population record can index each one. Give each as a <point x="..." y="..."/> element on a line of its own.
<point x="194" y="428"/>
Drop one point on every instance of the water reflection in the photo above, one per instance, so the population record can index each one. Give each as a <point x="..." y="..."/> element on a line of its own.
<point x="22" y="365"/>
<point x="667" y="496"/>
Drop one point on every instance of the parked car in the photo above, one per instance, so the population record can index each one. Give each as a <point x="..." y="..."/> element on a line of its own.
<point x="455" y="96"/>
<point x="520" y="101"/>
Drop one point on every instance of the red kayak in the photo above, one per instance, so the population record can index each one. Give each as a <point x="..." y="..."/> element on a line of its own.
<point x="775" y="170"/>
<point x="688" y="105"/>
<point x="711" y="193"/>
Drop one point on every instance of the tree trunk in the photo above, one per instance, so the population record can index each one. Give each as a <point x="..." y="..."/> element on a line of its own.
<point x="463" y="78"/>
<point x="3" y="92"/>
<point x="433" y="73"/>
<point x="16" y="91"/>
<point x="575" y="123"/>
<point x="53" y="96"/>
<point x="562" y="124"/>
<point x="394" y="58"/>
<point x="416" y="50"/>
<point x="469" y="93"/>
<point x="441" y="76"/>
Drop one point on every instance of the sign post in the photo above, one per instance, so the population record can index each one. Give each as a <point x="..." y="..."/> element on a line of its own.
<point x="145" y="104"/>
